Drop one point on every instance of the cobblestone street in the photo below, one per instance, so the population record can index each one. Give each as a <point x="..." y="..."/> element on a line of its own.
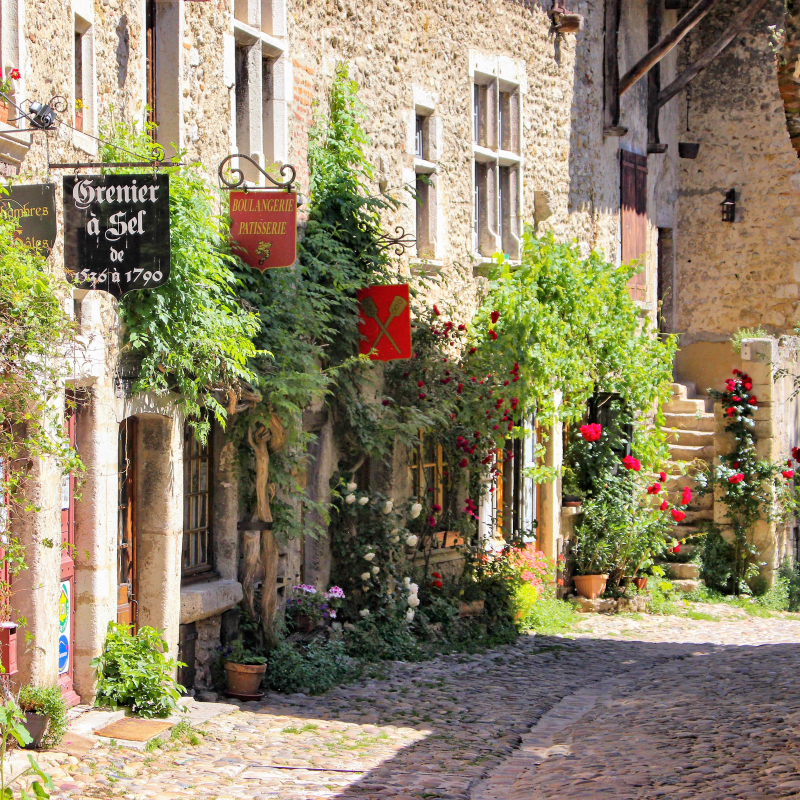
<point x="624" y="707"/>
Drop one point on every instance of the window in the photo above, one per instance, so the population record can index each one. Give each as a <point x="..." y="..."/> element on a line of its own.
<point x="260" y="111"/>
<point x="197" y="466"/>
<point x="163" y="23"/>
<point x="83" y="75"/>
<point x="426" y="155"/>
<point x="430" y="474"/>
<point x="497" y="163"/>
<point x="633" y="217"/>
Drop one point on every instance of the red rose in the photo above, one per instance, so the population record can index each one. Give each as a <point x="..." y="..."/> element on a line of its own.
<point x="432" y="521"/>
<point x="788" y="473"/>
<point x="737" y="372"/>
<point x="463" y="463"/>
<point x="677" y="514"/>
<point x="747" y="386"/>
<point x="437" y="584"/>
<point x="420" y="383"/>
<point x="435" y="310"/>
<point x="437" y="508"/>
<point x="493" y="333"/>
<point x="737" y="478"/>
<point x="631" y="463"/>
<point x="664" y="505"/>
<point x="472" y="350"/>
<point x="736" y="399"/>
<point x="654" y="489"/>
<point x="676" y="549"/>
<point x="687" y="496"/>
<point x="495" y="315"/>
<point x="730" y="411"/>
<point x="460" y="388"/>
<point x="590" y="432"/>
<point x="385" y="402"/>
<point x="662" y="476"/>
<point x="422" y="395"/>
<point x="753" y="401"/>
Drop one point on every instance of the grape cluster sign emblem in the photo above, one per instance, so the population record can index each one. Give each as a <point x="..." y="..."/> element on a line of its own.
<point x="116" y="231"/>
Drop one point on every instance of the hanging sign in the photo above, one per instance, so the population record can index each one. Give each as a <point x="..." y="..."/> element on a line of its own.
<point x="116" y="231"/>
<point x="385" y="324"/>
<point x="33" y="208"/>
<point x="264" y="228"/>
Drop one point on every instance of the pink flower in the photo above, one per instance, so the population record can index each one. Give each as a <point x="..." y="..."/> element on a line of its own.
<point x="677" y="514"/>
<point x="590" y="432"/>
<point x="631" y="463"/>
<point x="737" y="478"/>
<point x="687" y="496"/>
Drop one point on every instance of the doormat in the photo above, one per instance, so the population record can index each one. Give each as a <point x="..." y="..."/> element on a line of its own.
<point x="134" y="730"/>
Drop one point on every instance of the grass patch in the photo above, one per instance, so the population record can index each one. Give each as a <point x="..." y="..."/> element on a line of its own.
<point x="547" y="616"/>
<point x="702" y="615"/>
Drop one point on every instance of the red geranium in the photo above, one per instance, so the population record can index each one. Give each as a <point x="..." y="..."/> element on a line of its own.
<point x="654" y="489"/>
<point x="590" y="432"/>
<point x="631" y="463"/>
<point x="662" y="476"/>
<point x="730" y="411"/>
<point x="676" y="549"/>
<point x="788" y="473"/>
<point x="737" y="478"/>
<point x="664" y="505"/>
<point x="677" y="514"/>
<point x="435" y="310"/>
<point x="687" y="496"/>
<point x="753" y="401"/>
<point x="493" y="333"/>
<point x="495" y="315"/>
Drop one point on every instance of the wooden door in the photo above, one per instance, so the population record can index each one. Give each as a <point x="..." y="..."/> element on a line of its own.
<point x="126" y="524"/>
<point x="633" y="213"/>
<point x="66" y="595"/>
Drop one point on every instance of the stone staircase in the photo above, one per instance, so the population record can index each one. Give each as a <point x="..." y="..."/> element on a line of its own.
<point x="691" y="437"/>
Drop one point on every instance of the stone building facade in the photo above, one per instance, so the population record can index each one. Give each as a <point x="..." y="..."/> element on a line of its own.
<point x="506" y="116"/>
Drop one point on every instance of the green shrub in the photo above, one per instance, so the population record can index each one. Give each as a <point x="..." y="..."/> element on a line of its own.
<point x="384" y="639"/>
<point x="776" y="598"/>
<point x="49" y="701"/>
<point x="312" y="668"/>
<point x="136" y="671"/>
<point x="717" y="562"/>
<point x="791" y="575"/>
<point x="549" y="616"/>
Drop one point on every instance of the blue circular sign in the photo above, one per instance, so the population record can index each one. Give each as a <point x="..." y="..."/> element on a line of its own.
<point x="63" y="653"/>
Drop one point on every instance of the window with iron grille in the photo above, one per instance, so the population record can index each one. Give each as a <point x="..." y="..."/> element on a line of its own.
<point x="197" y="544"/>
<point x="430" y="477"/>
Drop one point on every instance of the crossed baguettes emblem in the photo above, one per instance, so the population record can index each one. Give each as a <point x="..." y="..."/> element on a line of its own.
<point x="396" y="308"/>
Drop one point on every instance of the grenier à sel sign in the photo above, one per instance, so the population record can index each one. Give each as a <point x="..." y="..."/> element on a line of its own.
<point x="264" y="228"/>
<point x="116" y="231"/>
<point x="33" y="208"/>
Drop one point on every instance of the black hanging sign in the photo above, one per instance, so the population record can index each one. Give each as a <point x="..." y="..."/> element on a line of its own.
<point x="116" y="231"/>
<point x="33" y="208"/>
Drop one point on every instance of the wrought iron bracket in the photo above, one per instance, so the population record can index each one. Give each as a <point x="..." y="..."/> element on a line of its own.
<point x="286" y="168"/>
<point x="400" y="241"/>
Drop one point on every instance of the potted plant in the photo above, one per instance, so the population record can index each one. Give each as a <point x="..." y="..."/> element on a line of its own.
<point x="80" y="106"/>
<point x="308" y="607"/>
<point x="45" y="715"/>
<point x="6" y="88"/>
<point x="244" y="669"/>
<point x="592" y="553"/>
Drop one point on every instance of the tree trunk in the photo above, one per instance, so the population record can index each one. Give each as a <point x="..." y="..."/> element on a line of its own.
<point x="269" y="590"/>
<point x="251" y="547"/>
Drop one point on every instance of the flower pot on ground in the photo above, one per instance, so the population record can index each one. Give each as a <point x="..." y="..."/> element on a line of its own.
<point x="640" y="582"/>
<point x="304" y="623"/>
<point x="244" y="679"/>
<point x="591" y="586"/>
<point x="309" y="607"/>
<point x="45" y="714"/>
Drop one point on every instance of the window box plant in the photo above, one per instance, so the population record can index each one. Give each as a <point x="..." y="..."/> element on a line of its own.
<point x="45" y="715"/>
<point x="310" y="607"/>
<point x="244" y="670"/>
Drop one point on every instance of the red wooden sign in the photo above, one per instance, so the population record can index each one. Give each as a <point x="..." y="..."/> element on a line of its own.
<point x="385" y="324"/>
<point x="264" y="228"/>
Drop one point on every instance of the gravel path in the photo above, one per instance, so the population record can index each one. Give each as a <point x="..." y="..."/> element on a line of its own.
<point x="625" y="707"/>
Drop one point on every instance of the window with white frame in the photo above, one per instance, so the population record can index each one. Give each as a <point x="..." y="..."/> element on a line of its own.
<point x="260" y="66"/>
<point x="83" y="72"/>
<point x="497" y="153"/>
<point x="425" y="135"/>
<point x="163" y="34"/>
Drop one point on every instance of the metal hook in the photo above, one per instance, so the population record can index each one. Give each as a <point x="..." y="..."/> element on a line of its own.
<point x="286" y="184"/>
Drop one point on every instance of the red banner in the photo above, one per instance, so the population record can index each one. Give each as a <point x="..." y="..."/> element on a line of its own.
<point x="264" y="228"/>
<point x="385" y="324"/>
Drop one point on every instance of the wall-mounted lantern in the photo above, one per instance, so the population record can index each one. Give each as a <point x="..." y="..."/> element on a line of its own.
<point x="729" y="206"/>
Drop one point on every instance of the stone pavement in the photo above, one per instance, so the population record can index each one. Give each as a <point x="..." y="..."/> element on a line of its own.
<point x="626" y="707"/>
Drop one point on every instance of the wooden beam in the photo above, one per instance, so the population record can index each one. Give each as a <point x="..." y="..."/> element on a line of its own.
<point x="667" y="43"/>
<point x="736" y="26"/>
<point x="611" y="66"/>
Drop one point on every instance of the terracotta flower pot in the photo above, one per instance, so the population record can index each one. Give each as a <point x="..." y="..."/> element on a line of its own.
<point x="244" y="678"/>
<point x="4" y="112"/>
<point x="640" y="583"/>
<point x="591" y="586"/>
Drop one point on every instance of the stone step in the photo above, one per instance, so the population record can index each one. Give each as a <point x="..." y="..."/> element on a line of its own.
<point x="690" y="422"/>
<point x="691" y="406"/>
<point x="700" y="515"/>
<point x="680" y="452"/>
<point x="691" y="437"/>
<point x="683" y="390"/>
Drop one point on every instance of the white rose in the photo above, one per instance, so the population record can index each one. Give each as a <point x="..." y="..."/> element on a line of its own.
<point x="365" y="576"/>
<point x="364" y="612"/>
<point x="376" y="570"/>
<point x="352" y="486"/>
<point x="416" y="509"/>
<point x="350" y="499"/>
<point x="387" y="507"/>
<point x="412" y="540"/>
<point x="406" y="581"/>
<point x="369" y="556"/>
<point x="413" y="601"/>
<point x="362" y="501"/>
<point x="410" y="615"/>
<point x="395" y="539"/>
<point x="365" y="588"/>
<point x="413" y="588"/>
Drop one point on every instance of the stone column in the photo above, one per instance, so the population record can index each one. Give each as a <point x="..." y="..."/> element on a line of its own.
<point x="159" y="522"/>
<point x="97" y="434"/>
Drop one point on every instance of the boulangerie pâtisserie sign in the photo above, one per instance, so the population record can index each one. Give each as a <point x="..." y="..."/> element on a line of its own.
<point x="116" y="231"/>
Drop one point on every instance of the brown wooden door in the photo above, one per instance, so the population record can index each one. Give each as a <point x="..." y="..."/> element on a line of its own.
<point x="126" y="524"/>
<point x="66" y="595"/>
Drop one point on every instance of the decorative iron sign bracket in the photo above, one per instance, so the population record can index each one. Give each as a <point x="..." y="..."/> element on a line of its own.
<point x="240" y="180"/>
<point x="400" y="241"/>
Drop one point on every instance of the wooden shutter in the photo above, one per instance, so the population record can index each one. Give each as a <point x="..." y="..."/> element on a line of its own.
<point x="633" y="202"/>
